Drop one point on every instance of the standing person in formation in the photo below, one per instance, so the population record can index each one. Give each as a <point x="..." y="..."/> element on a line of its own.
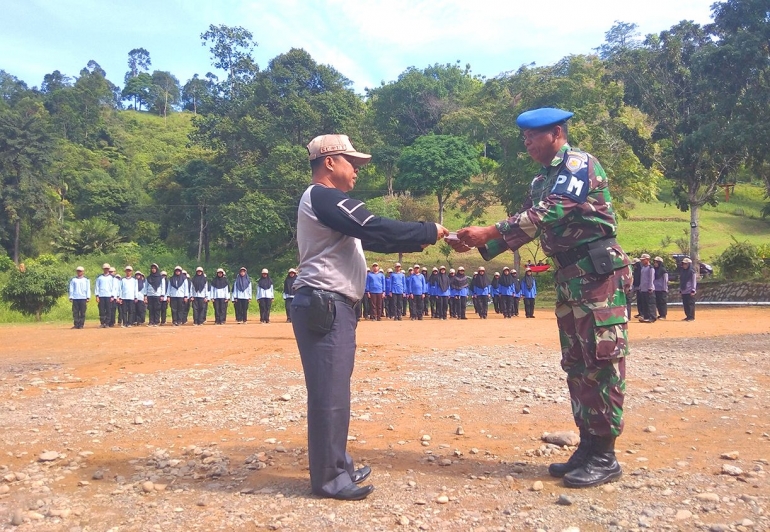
<point x="178" y="293"/>
<point x="375" y="291"/>
<point x="219" y="294"/>
<point x="494" y="291"/>
<point x="265" y="296"/>
<point x="154" y="290"/>
<point x="79" y="294"/>
<point x="460" y="287"/>
<point x="114" y="314"/>
<point x="507" y="292"/>
<point x="442" y="293"/>
<point x="397" y="291"/>
<point x="199" y="296"/>
<point x="140" y="313"/>
<point x="187" y="302"/>
<point x="481" y="292"/>
<point x="164" y="297"/>
<point x="288" y="292"/>
<point x="453" y="295"/>
<point x="687" y="284"/>
<point x="242" y="293"/>
<point x="366" y="302"/>
<point x="528" y="293"/>
<point x="418" y="286"/>
<point x="516" y="292"/>
<point x="432" y="293"/>
<point x="387" y="302"/>
<point x="637" y="278"/>
<point x="332" y="230"/>
<point x="570" y="209"/>
<point x="647" y="290"/>
<point x="661" y="288"/>
<point x="129" y="295"/>
<point x="104" y="290"/>
<point x="426" y="299"/>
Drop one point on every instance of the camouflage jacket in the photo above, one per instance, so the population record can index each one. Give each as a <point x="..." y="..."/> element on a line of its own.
<point x="569" y="205"/>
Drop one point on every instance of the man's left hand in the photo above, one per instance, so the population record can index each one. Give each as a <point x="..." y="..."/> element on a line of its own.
<point x="476" y="236"/>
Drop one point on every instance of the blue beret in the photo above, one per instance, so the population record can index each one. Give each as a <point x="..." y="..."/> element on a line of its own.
<point x="546" y="116"/>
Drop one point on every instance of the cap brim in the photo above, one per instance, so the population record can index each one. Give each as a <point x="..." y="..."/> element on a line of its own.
<point x="358" y="158"/>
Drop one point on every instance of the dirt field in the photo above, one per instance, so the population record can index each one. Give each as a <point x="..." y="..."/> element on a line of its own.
<point x="212" y="418"/>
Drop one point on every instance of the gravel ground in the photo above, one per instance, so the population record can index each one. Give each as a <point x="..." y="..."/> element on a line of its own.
<point x="457" y="440"/>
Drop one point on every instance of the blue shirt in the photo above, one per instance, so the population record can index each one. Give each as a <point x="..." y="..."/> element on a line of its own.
<point x="80" y="288"/>
<point x="398" y="282"/>
<point x="105" y="286"/>
<point x="375" y="283"/>
<point x="417" y="285"/>
<point x="527" y="292"/>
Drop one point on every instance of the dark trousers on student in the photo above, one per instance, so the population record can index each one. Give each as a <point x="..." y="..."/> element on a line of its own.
<point x="529" y="307"/>
<point x="140" y="312"/>
<point x="177" y="305"/>
<point x="264" y="309"/>
<point x="153" y="306"/>
<point x="416" y="307"/>
<point x="287" y="303"/>
<point x="483" y="305"/>
<point x="688" y="302"/>
<point x="506" y="305"/>
<point x="376" y="306"/>
<point x="515" y="302"/>
<point x="163" y="311"/>
<point x="113" y="312"/>
<point x="241" y="310"/>
<point x="220" y="310"/>
<point x="661" y="302"/>
<point x="442" y="306"/>
<point x="398" y="306"/>
<point x="79" y="312"/>
<point x="186" y="310"/>
<point x="200" y="307"/>
<point x="105" y="311"/>
<point x="127" y="312"/>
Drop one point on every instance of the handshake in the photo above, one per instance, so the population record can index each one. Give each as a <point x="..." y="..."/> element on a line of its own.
<point x="467" y="238"/>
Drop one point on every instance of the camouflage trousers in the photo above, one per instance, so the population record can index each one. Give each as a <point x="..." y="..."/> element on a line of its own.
<point x="591" y="315"/>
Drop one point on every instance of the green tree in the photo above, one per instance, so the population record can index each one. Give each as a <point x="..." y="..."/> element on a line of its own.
<point x="55" y="81"/>
<point x="138" y="61"/>
<point x="231" y="48"/>
<point x="94" y="235"/>
<point x="197" y="91"/>
<point x="414" y="104"/>
<point x="165" y="92"/>
<point x="25" y="156"/>
<point x="34" y="289"/>
<point x="439" y="165"/>
<point x="139" y="88"/>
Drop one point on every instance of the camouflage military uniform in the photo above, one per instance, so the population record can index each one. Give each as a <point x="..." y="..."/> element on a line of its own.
<point x="569" y="208"/>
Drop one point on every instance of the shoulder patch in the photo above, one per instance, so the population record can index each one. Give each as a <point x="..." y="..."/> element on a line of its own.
<point x="572" y="185"/>
<point x="576" y="161"/>
<point x="355" y="210"/>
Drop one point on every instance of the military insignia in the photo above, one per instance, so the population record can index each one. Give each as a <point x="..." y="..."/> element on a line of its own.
<point x="575" y="163"/>
<point x="574" y="186"/>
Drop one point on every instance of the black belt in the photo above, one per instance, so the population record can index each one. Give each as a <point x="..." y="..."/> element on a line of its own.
<point x="571" y="256"/>
<point x="308" y="290"/>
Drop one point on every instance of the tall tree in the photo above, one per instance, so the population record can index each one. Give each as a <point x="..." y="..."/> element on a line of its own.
<point x="25" y="155"/>
<point x="138" y="61"/>
<point x="196" y="91"/>
<point x="165" y="92"/>
<point x="55" y="81"/>
<point x="439" y="165"/>
<point x="231" y="48"/>
<point x="139" y="89"/>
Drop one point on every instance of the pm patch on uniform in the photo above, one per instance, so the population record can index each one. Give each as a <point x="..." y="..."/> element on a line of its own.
<point x="572" y="185"/>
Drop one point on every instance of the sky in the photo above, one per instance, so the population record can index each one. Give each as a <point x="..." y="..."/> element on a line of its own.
<point x="368" y="41"/>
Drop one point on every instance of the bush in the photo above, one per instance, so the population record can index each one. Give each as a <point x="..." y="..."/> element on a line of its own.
<point x="34" y="289"/>
<point x="740" y="261"/>
<point x="6" y="263"/>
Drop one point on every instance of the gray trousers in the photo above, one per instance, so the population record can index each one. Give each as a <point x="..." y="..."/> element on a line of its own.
<point x="327" y="360"/>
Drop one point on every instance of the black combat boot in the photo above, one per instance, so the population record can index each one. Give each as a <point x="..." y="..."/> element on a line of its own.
<point x="577" y="459"/>
<point x="600" y="468"/>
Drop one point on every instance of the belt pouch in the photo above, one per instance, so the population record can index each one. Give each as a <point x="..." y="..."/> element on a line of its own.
<point x="600" y="258"/>
<point x="322" y="312"/>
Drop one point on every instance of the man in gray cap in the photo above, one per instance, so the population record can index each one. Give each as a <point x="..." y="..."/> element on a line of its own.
<point x="332" y="232"/>
<point x="570" y="210"/>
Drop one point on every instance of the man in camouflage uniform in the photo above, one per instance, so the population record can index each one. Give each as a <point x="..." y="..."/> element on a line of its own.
<point x="570" y="210"/>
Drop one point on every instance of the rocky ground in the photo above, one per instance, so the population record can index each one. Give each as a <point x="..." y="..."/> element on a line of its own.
<point x="203" y="429"/>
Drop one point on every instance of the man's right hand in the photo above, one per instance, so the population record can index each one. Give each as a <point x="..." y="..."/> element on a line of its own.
<point x="441" y="232"/>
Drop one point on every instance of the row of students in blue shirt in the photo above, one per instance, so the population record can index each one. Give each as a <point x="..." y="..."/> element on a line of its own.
<point x="416" y="283"/>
